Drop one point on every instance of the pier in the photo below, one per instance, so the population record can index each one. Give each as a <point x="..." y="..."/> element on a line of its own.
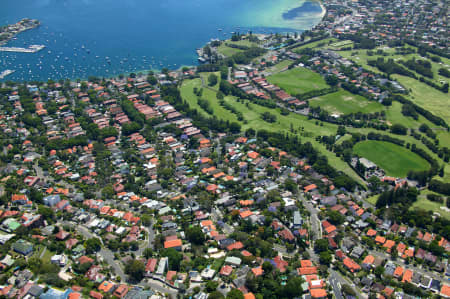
<point x="5" y="73"/>
<point x="30" y="49"/>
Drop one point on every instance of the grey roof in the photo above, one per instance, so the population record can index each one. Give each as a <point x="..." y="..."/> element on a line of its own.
<point x="35" y="290"/>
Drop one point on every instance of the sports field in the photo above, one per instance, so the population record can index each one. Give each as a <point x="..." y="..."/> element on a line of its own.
<point x="394" y="159"/>
<point x="228" y="51"/>
<point x="298" y="80"/>
<point x="344" y="102"/>
<point x="427" y="97"/>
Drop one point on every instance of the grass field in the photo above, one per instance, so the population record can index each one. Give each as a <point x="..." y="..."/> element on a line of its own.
<point x="373" y="199"/>
<point x="205" y="76"/>
<point x="344" y="102"/>
<point x="427" y="97"/>
<point x="187" y="91"/>
<point x="394" y="159"/>
<point x="280" y="66"/>
<point x="228" y="51"/>
<point x="340" y="44"/>
<point x="424" y="204"/>
<point x="316" y="44"/>
<point x="298" y="80"/>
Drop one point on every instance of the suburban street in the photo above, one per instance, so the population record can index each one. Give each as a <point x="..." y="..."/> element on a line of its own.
<point x="314" y="219"/>
<point x="334" y="284"/>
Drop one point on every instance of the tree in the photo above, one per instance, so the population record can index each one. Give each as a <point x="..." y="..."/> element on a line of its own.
<point x="175" y="258"/>
<point x="46" y="212"/>
<point x="335" y="217"/>
<point x="332" y="80"/>
<point x="374" y="183"/>
<point x="325" y="257"/>
<point x="135" y="269"/>
<point x="93" y="245"/>
<point x="195" y="235"/>
<point x="211" y="286"/>
<point x="321" y="245"/>
<point x="267" y="267"/>
<point x="399" y="129"/>
<point x="348" y="290"/>
<point x="146" y="219"/>
<point x="293" y="288"/>
<point x="235" y="294"/>
<point x="269" y="117"/>
<point x="108" y="192"/>
<point x="379" y="271"/>
<point x="148" y="253"/>
<point x="212" y="80"/>
<point x="216" y="295"/>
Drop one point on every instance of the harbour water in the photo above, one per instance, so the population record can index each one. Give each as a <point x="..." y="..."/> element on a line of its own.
<point x="109" y="37"/>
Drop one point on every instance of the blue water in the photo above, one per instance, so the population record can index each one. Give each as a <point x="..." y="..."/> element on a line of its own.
<point x="110" y="37"/>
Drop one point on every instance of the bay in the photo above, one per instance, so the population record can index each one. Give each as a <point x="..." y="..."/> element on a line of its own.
<point x="109" y="37"/>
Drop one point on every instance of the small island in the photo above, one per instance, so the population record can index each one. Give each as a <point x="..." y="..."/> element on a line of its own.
<point x="8" y="32"/>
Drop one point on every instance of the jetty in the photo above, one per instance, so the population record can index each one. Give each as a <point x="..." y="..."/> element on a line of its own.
<point x="5" y="73"/>
<point x="30" y="49"/>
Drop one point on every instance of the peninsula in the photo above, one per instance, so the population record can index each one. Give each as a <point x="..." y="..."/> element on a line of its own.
<point x="10" y="31"/>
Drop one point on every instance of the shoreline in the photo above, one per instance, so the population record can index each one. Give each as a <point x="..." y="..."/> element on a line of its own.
<point x="25" y="27"/>
<point x="324" y="12"/>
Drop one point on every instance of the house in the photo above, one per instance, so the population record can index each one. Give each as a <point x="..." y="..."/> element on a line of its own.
<point x="162" y="266"/>
<point x="106" y="287"/>
<point x="226" y="270"/>
<point x="368" y="261"/>
<point x="23" y="247"/>
<point x="176" y="244"/>
<point x="351" y="265"/>
<point x="318" y="293"/>
<point x="398" y="273"/>
<point x="151" y="265"/>
<point x="52" y="200"/>
<point x="357" y="252"/>
<point x="310" y="188"/>
<point x="297" y="221"/>
<point x="286" y="235"/>
<point x="234" y="261"/>
<point x="121" y="291"/>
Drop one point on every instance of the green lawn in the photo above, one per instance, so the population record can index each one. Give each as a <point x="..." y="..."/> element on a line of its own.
<point x="394" y="159"/>
<point x="344" y="102"/>
<point x="423" y="203"/>
<point x="298" y="80"/>
<point x="373" y="199"/>
<point x="280" y="66"/>
<point x="187" y="92"/>
<point x="228" y="51"/>
<point x="205" y="76"/>
<point x="427" y="97"/>
<point x="341" y="44"/>
<point x="316" y="44"/>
